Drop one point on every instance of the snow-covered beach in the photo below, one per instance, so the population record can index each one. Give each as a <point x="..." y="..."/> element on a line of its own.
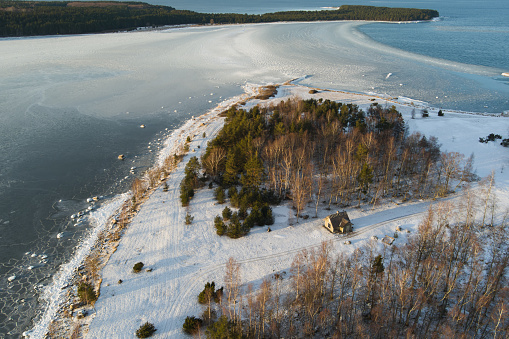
<point x="182" y="258"/>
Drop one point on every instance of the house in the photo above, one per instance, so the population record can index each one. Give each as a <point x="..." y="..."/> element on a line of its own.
<point x="338" y="223"/>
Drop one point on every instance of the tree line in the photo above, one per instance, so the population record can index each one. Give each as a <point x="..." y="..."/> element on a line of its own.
<point x="25" y="18"/>
<point x="449" y="279"/>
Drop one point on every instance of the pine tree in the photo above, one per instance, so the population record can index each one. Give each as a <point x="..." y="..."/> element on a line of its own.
<point x="365" y="177"/>
<point x="253" y="174"/>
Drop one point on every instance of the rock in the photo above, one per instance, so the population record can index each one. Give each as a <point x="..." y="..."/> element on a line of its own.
<point x="81" y="314"/>
<point x="268" y="229"/>
<point x="121" y="157"/>
<point x="348" y="242"/>
<point x="11" y="278"/>
<point x="142" y="126"/>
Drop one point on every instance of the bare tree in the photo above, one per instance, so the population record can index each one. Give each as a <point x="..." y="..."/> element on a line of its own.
<point x="214" y="161"/>
<point x="232" y="281"/>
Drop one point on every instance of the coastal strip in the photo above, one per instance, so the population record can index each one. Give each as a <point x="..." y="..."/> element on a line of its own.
<point x="110" y="221"/>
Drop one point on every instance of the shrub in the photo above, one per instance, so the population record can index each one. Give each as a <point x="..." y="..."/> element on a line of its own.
<point x="249" y="222"/>
<point x="191" y="325"/>
<point x="440" y="113"/>
<point x="242" y="213"/>
<point x="227" y="213"/>
<point x="204" y="134"/>
<point x="186" y="194"/>
<point x="233" y="194"/>
<point x="146" y="330"/>
<point x="209" y="291"/>
<point x="219" y="225"/>
<point x="505" y="143"/>
<point x="220" y="196"/>
<point x="424" y="113"/>
<point x="189" y="219"/>
<point x="138" y="267"/>
<point x="223" y="328"/>
<point x="188" y="139"/>
<point x="165" y="187"/>
<point x="235" y="228"/>
<point x="493" y="137"/>
<point x="86" y="293"/>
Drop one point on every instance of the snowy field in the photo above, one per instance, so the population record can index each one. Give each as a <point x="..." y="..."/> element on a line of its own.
<point x="182" y="258"/>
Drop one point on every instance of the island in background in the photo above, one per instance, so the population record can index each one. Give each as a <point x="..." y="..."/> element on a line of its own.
<point x="27" y="18"/>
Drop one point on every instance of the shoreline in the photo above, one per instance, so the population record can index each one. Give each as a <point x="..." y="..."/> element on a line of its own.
<point x="56" y="294"/>
<point x="172" y="145"/>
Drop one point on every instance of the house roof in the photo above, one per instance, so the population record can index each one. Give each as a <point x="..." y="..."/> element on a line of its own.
<point x="339" y="219"/>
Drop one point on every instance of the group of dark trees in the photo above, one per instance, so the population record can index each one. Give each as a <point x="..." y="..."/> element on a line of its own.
<point x="191" y="181"/>
<point x="319" y="152"/>
<point x="22" y="18"/>
<point x="448" y="280"/>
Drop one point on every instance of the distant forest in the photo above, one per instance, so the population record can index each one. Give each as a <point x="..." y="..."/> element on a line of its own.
<point x="25" y="18"/>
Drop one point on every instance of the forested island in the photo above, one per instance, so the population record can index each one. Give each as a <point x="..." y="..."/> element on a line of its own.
<point x="26" y="18"/>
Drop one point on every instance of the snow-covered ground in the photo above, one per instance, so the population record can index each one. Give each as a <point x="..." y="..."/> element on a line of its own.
<point x="182" y="258"/>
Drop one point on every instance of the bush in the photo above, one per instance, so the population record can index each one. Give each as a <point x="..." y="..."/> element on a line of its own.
<point x="186" y="194"/>
<point x="189" y="219"/>
<point x="227" y="213"/>
<point x="233" y="194"/>
<point x="146" y="330"/>
<point x="191" y="325"/>
<point x="223" y="328"/>
<point x="138" y="267"/>
<point x="440" y="113"/>
<point x="235" y="228"/>
<point x="86" y="293"/>
<point x="208" y="291"/>
<point x="219" y="225"/>
<point x="424" y="113"/>
<point x="188" y="139"/>
<point x="242" y="213"/>
<point x="220" y="196"/>
<point x="491" y="137"/>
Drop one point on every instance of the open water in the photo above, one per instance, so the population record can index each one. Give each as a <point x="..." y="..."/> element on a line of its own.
<point x="70" y="105"/>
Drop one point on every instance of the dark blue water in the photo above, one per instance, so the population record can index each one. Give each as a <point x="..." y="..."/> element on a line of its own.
<point x="476" y="32"/>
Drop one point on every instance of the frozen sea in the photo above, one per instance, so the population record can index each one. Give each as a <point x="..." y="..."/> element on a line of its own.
<point x="69" y="105"/>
